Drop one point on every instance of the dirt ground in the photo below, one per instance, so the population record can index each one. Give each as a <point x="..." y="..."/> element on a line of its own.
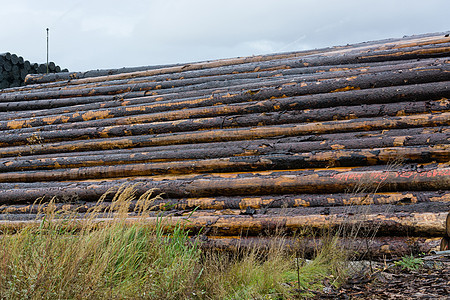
<point x="431" y="280"/>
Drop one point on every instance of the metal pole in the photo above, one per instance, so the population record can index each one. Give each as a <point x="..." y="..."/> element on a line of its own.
<point x="47" y="50"/>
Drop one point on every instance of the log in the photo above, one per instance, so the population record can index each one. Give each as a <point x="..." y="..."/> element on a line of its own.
<point x="372" y="179"/>
<point x="107" y="210"/>
<point x="142" y="125"/>
<point x="67" y="77"/>
<point x="225" y="73"/>
<point x="383" y="44"/>
<point x="399" y="199"/>
<point x="431" y="72"/>
<point x="417" y="92"/>
<point x="279" y="108"/>
<point x="333" y="58"/>
<point x="287" y="146"/>
<point x="357" y="248"/>
<point x="36" y="147"/>
<point x="447" y="225"/>
<point x="445" y="244"/>
<point x="176" y="78"/>
<point x="338" y="158"/>
<point x="295" y="144"/>
<point x="400" y="224"/>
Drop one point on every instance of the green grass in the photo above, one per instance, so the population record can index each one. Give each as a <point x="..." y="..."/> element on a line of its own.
<point x="51" y="260"/>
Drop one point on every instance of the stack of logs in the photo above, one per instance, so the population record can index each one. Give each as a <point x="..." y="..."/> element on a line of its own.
<point x="14" y="69"/>
<point x="352" y="137"/>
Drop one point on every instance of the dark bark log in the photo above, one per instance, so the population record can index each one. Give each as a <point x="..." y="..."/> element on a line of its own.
<point x="437" y="70"/>
<point x="286" y="146"/>
<point x="144" y="124"/>
<point x="224" y="74"/>
<point x="382" y="44"/>
<point x="394" y="224"/>
<point x="357" y="248"/>
<point x="447" y="224"/>
<point x="383" y="53"/>
<point x="337" y="158"/>
<point x="374" y="179"/>
<point x="220" y="135"/>
<point x="49" y="78"/>
<point x="281" y="145"/>
<point x="130" y="107"/>
<point x="445" y="244"/>
<point x="175" y="79"/>
<point x="139" y="114"/>
<point x="399" y="200"/>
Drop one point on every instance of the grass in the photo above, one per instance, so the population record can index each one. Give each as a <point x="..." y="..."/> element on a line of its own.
<point x="52" y="260"/>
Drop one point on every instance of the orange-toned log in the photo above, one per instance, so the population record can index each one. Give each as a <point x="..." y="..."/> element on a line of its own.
<point x="297" y="85"/>
<point x="287" y="68"/>
<point x="281" y="145"/>
<point x="223" y="116"/>
<point x="95" y="108"/>
<point x="373" y="46"/>
<point x="340" y="180"/>
<point x="220" y="135"/>
<point x="399" y="199"/>
<point x="72" y="76"/>
<point x="336" y="158"/>
<point x="142" y="125"/>
<point x="332" y="58"/>
<point x="304" y="200"/>
<point x="394" y="224"/>
<point x="361" y="248"/>
<point x="230" y="79"/>
<point x="347" y="143"/>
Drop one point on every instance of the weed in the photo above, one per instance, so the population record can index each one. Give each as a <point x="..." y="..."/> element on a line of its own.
<point x="409" y="262"/>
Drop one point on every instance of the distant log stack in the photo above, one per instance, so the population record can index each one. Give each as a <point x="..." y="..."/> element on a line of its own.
<point x="14" y="69"/>
<point x="352" y="139"/>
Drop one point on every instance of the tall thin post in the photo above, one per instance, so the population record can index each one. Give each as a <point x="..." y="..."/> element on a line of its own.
<point x="47" y="50"/>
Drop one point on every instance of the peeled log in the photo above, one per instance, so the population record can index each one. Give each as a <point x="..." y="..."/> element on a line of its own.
<point x="337" y="158"/>
<point x="340" y="180"/>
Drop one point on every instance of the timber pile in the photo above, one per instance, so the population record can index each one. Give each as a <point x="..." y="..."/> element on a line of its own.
<point x="14" y="69"/>
<point x="353" y="138"/>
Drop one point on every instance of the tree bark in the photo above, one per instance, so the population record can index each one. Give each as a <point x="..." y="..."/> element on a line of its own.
<point x="220" y="135"/>
<point x="337" y="158"/>
<point x="399" y="199"/>
<point x="356" y="248"/>
<point x="341" y="180"/>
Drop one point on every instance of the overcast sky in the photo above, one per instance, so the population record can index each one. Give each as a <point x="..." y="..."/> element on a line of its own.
<point x="93" y="34"/>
